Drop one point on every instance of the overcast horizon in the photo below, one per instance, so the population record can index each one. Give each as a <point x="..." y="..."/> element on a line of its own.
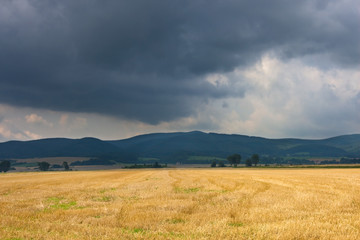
<point x="115" y="69"/>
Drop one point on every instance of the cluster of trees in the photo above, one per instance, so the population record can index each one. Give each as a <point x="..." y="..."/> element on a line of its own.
<point x="219" y="164"/>
<point x="235" y="159"/>
<point x="44" y="166"/>
<point x="253" y="160"/>
<point x="281" y="160"/>
<point x="93" y="161"/>
<point x="154" y="165"/>
<point x="342" y="161"/>
<point x="5" y="166"/>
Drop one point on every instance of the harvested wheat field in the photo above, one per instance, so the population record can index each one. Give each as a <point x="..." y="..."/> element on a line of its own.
<point x="182" y="204"/>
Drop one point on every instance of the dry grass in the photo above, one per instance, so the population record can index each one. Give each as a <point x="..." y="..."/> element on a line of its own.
<point x="181" y="204"/>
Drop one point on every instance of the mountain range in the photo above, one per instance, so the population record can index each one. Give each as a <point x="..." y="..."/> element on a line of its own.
<point x="193" y="146"/>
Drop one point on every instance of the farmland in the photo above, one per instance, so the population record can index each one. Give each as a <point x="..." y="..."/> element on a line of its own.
<point x="181" y="204"/>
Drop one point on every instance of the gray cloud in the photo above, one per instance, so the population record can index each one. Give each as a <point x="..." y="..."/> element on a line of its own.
<point x="147" y="60"/>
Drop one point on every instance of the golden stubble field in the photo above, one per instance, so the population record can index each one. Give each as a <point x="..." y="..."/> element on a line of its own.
<point x="181" y="204"/>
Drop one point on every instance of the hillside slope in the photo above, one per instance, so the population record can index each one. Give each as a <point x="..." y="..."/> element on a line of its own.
<point x="56" y="147"/>
<point x="181" y="146"/>
<point x="221" y="145"/>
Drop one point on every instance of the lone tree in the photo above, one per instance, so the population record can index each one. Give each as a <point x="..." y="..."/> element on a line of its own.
<point x="43" y="166"/>
<point x="5" y="166"/>
<point x="66" y="166"/>
<point x="213" y="163"/>
<point x="234" y="159"/>
<point x="248" y="162"/>
<point x="255" y="159"/>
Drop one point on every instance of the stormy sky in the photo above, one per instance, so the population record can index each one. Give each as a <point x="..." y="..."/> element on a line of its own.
<point x="113" y="69"/>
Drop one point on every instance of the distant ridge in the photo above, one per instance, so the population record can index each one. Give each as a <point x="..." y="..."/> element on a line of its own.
<point x="177" y="145"/>
<point x="221" y="145"/>
<point x="56" y="147"/>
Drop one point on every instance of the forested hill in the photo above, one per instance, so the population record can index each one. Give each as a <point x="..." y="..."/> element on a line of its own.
<point x="182" y="145"/>
<point x="221" y="145"/>
<point x="56" y="147"/>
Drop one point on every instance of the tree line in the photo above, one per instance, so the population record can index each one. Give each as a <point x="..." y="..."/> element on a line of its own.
<point x="235" y="159"/>
<point x="5" y="166"/>
<point x="44" y="166"/>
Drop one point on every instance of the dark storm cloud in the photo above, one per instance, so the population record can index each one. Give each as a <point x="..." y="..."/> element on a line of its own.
<point x="147" y="60"/>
